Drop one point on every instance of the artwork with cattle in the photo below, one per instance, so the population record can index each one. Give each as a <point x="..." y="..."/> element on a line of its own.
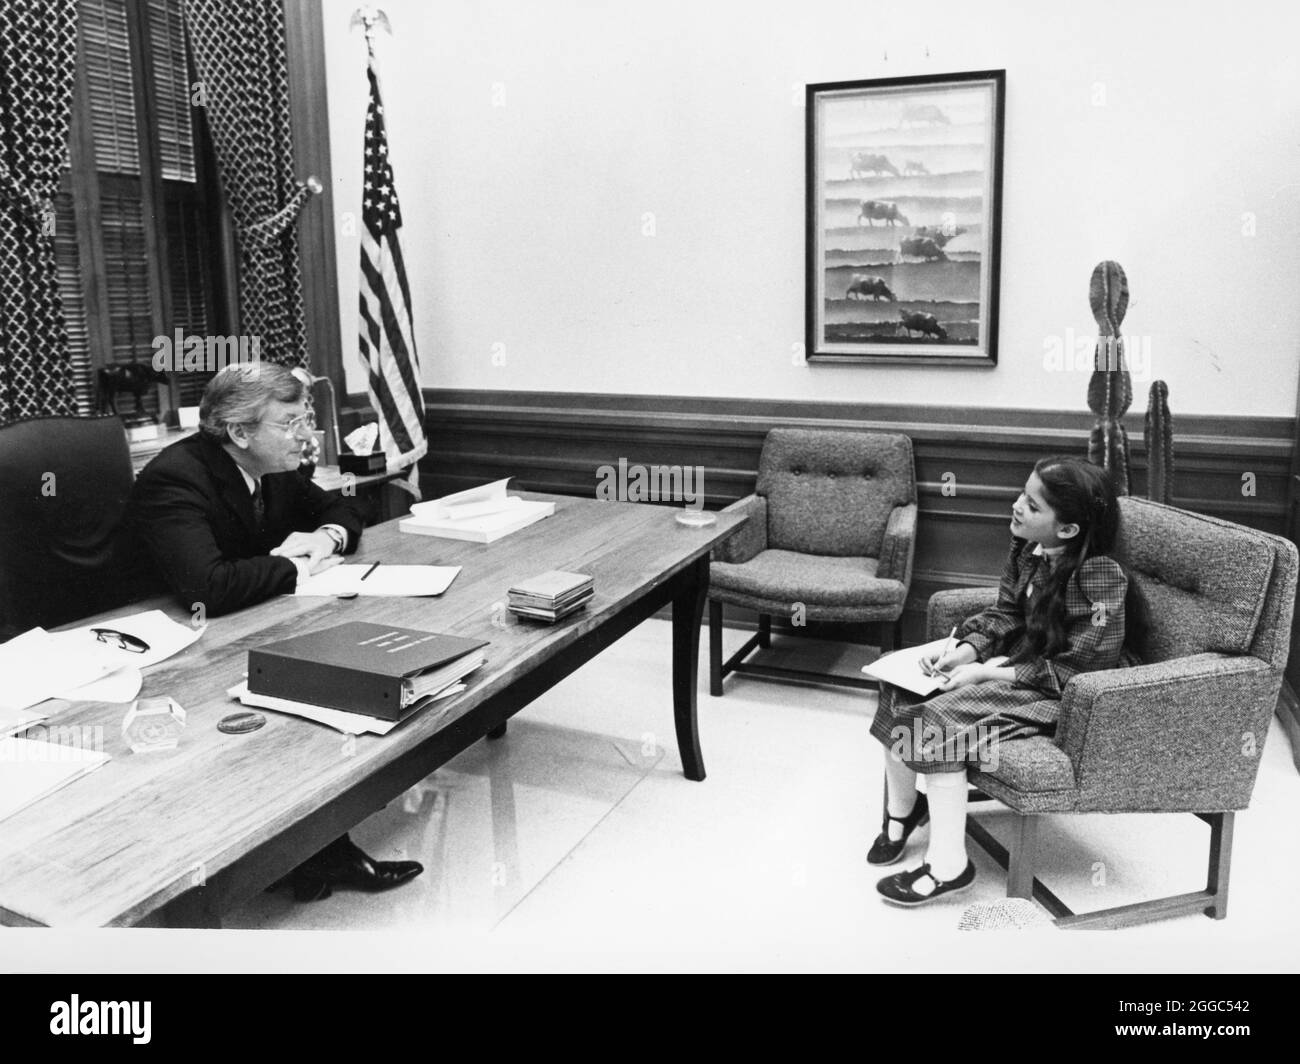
<point x="878" y="210"/>
<point x="904" y="205"/>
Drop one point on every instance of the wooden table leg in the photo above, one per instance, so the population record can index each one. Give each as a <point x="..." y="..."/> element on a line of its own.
<point x="194" y="909"/>
<point x="688" y="608"/>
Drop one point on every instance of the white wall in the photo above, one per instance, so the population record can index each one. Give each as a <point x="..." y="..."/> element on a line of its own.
<point x="524" y="222"/>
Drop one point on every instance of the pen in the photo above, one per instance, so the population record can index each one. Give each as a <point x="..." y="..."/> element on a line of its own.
<point x="376" y="566"/>
<point x="943" y="654"/>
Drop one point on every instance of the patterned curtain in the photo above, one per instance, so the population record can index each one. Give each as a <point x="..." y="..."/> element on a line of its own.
<point x="239" y="51"/>
<point x="38" y="50"/>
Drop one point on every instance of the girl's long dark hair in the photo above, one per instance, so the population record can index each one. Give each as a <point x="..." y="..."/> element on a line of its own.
<point x="1084" y="494"/>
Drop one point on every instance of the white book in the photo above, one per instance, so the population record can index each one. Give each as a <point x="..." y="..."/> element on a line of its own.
<point x="30" y="771"/>
<point x="479" y="515"/>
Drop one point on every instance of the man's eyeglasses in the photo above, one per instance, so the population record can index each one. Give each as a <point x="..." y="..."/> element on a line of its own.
<point x="294" y="426"/>
<point x="120" y="640"/>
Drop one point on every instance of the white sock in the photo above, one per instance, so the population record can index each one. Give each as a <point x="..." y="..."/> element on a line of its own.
<point x="901" y="792"/>
<point x="946" y="854"/>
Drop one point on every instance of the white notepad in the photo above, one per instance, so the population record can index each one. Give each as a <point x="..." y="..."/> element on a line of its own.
<point x="902" y="668"/>
<point x="30" y="771"/>
<point x="387" y="580"/>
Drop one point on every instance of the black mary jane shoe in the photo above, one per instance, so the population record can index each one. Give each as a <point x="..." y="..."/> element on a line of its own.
<point x="898" y="889"/>
<point x="885" y="851"/>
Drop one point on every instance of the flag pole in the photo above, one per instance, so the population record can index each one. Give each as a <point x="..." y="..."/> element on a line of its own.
<point x="386" y="329"/>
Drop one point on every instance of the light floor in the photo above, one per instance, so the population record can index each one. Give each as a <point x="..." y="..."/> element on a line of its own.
<point x="575" y="843"/>
<point x="577" y="835"/>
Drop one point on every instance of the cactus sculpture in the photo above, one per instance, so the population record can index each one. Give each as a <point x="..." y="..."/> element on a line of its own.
<point x="1159" y="436"/>
<point x="1110" y="391"/>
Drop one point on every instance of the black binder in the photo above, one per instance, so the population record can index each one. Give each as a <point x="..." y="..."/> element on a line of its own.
<point x="380" y="670"/>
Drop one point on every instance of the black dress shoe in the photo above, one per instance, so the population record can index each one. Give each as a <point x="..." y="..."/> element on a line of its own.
<point x="344" y="864"/>
<point x="885" y="851"/>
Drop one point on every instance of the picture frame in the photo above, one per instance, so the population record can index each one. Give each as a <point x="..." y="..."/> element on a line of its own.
<point x="904" y="209"/>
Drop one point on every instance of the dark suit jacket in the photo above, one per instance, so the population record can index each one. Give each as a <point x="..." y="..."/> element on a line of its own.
<point x="191" y="516"/>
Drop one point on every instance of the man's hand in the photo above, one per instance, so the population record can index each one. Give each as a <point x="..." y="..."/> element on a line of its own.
<point x="313" y="546"/>
<point x="325" y="563"/>
<point x="308" y="568"/>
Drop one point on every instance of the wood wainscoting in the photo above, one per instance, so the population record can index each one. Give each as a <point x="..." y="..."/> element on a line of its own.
<point x="970" y="462"/>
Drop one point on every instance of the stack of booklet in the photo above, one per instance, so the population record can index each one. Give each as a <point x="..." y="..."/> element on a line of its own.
<point x="552" y="595"/>
<point x="480" y="515"/>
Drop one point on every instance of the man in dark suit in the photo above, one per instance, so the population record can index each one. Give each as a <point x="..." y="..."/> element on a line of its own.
<point x="227" y="521"/>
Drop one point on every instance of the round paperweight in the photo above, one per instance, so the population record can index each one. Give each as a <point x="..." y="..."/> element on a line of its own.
<point x="697" y="518"/>
<point x="240" y="723"/>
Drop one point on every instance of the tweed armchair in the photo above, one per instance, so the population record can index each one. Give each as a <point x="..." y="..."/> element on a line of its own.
<point x="1181" y="733"/>
<point x="830" y="536"/>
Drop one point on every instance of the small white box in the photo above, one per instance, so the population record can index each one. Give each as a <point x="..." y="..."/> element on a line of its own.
<point x="189" y="416"/>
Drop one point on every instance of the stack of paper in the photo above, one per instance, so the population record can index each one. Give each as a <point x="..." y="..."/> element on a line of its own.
<point x="88" y="664"/>
<point x="338" y="719"/>
<point x="552" y="595"/>
<point x="37" y="665"/>
<point x="480" y="515"/>
<point x="29" y="771"/>
<point x="13" y="721"/>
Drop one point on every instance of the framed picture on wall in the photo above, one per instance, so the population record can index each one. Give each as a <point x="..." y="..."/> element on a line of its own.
<point x="904" y="194"/>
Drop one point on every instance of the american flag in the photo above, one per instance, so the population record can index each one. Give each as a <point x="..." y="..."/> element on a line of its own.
<point x="387" y="338"/>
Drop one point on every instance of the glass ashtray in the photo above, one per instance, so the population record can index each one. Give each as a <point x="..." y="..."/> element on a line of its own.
<point x="697" y="518"/>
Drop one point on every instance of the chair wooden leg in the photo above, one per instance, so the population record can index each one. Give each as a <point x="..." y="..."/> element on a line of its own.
<point x="887" y="636"/>
<point x="764" y="630"/>
<point x="1024" y="847"/>
<point x="715" y="648"/>
<point x="1221" y="825"/>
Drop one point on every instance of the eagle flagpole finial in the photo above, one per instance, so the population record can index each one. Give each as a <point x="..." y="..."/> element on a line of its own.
<point x="370" y="17"/>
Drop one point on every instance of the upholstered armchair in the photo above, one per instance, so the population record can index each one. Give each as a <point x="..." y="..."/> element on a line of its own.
<point x="1182" y="732"/>
<point x="830" y="536"/>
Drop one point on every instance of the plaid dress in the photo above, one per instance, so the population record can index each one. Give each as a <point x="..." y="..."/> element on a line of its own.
<point x="949" y="730"/>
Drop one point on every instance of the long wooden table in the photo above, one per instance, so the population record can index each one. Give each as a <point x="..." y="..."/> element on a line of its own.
<point x="176" y="838"/>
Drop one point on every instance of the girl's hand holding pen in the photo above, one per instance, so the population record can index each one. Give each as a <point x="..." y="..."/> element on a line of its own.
<point x="934" y="663"/>
<point x="964" y="676"/>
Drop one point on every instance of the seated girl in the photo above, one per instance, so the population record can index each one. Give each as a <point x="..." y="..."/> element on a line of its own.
<point x="1064" y="606"/>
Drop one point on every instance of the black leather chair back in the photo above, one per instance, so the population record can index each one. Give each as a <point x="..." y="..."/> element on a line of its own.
<point x="64" y="485"/>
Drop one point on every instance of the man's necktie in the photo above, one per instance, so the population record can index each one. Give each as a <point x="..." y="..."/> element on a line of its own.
<point x="259" y="508"/>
